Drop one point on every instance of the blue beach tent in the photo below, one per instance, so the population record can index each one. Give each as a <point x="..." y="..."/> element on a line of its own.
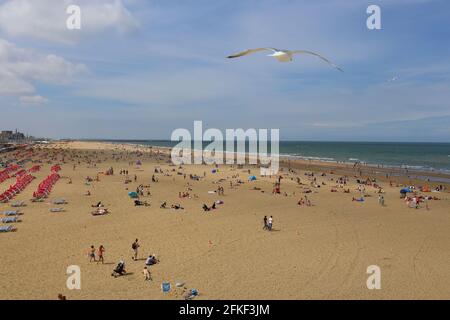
<point x="405" y="190"/>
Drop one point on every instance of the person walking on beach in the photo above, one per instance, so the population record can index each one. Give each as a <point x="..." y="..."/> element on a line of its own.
<point x="135" y="246"/>
<point x="146" y="274"/>
<point x="381" y="200"/>
<point x="100" y="252"/>
<point x="270" y="223"/>
<point x="265" y="227"/>
<point x="92" y="254"/>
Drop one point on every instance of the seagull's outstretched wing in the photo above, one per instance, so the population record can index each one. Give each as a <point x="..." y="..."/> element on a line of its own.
<point x="317" y="55"/>
<point x="249" y="51"/>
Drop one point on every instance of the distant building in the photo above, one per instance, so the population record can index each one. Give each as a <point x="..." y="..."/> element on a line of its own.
<point x="11" y="136"/>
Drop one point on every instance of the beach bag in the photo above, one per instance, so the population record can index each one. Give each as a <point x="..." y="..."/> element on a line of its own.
<point x="165" y="287"/>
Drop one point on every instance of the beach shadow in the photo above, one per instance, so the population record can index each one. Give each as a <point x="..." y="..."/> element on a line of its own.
<point x="123" y="275"/>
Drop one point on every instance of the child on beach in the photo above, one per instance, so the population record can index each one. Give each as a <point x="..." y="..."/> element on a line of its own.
<point x="92" y="254"/>
<point x="100" y="252"/>
<point x="146" y="274"/>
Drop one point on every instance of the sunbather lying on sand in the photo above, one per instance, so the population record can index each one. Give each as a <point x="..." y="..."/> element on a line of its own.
<point x="100" y="211"/>
<point x="141" y="203"/>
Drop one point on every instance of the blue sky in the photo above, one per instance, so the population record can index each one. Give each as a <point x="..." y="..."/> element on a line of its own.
<point x="140" y="69"/>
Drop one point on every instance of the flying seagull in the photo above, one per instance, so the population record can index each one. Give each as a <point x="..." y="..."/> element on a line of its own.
<point x="284" y="55"/>
<point x="393" y="79"/>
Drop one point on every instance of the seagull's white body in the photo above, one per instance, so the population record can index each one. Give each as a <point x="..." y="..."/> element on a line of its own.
<point x="284" y="55"/>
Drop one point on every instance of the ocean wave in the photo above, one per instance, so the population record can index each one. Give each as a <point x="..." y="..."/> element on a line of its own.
<point x="299" y="156"/>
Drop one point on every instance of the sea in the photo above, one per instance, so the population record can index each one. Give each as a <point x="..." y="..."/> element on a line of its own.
<point x="414" y="156"/>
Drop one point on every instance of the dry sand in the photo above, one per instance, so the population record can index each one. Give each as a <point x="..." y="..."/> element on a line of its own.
<point x="317" y="252"/>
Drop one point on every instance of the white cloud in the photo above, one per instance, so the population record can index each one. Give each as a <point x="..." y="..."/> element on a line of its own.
<point x="11" y="84"/>
<point x="20" y="68"/>
<point x="46" y="19"/>
<point x="36" y="99"/>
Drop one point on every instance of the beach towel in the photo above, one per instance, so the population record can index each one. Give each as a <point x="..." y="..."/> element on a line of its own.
<point x="57" y="210"/>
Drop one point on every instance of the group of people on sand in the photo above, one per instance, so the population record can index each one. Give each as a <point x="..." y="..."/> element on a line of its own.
<point x="304" y="202"/>
<point x="183" y="195"/>
<point x="99" y="209"/>
<point x="141" y="190"/>
<point x="415" y="201"/>
<point x="176" y="206"/>
<point x="206" y="208"/>
<point x="96" y="255"/>
<point x="268" y="223"/>
<point x="120" y="270"/>
<point x="381" y="200"/>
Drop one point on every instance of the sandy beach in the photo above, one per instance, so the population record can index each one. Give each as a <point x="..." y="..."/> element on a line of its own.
<point x="317" y="251"/>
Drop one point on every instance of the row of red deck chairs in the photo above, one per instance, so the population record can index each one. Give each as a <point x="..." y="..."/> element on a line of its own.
<point x="20" y="173"/>
<point x="56" y="168"/>
<point x="45" y="187"/>
<point x="35" y="168"/>
<point x="4" y="174"/>
<point x="21" y="183"/>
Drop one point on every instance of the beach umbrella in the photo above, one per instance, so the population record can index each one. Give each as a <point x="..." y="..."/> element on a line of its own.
<point x="138" y="163"/>
<point x="251" y="178"/>
<point x="133" y="194"/>
<point x="405" y="190"/>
